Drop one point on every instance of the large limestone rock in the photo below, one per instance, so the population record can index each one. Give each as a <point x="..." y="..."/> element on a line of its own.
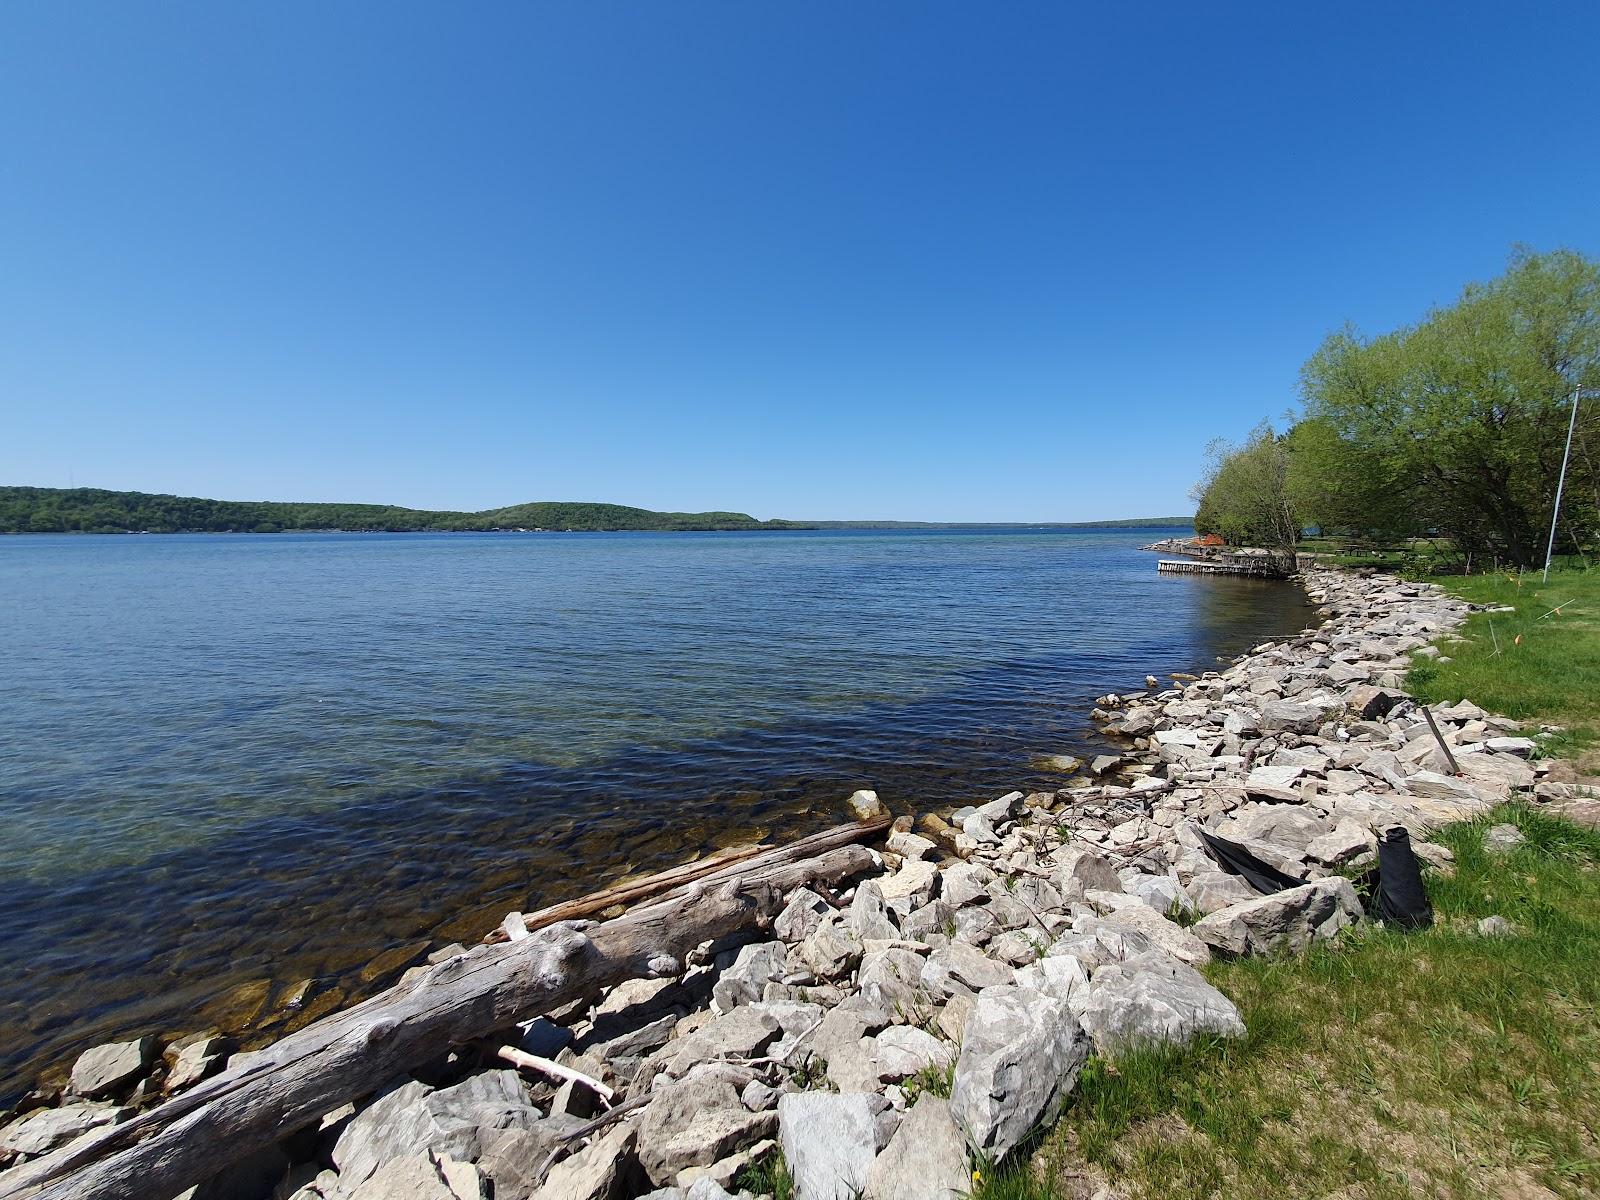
<point x="1291" y="715"/>
<point x="866" y="806"/>
<point x="959" y="967"/>
<point x="1060" y="975"/>
<point x="1132" y="913"/>
<point x="697" y="1121"/>
<point x="597" y="1172"/>
<point x="904" y="1050"/>
<point x="104" y="1070"/>
<point x="452" y="1122"/>
<point x="892" y="979"/>
<point x="1213" y="890"/>
<point x="1020" y="1059"/>
<point x="47" y="1128"/>
<point x="925" y="1160"/>
<point x="869" y="914"/>
<point x="829" y="1142"/>
<point x="916" y="880"/>
<point x="1082" y="871"/>
<point x="800" y="916"/>
<point x="746" y="980"/>
<point x="1153" y="998"/>
<point x="1289" y="920"/>
<point x="421" y="1177"/>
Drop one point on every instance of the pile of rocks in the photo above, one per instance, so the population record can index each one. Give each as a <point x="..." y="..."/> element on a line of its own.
<point x="888" y="1036"/>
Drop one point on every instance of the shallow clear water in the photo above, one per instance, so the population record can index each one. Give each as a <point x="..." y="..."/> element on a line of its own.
<point x="233" y="762"/>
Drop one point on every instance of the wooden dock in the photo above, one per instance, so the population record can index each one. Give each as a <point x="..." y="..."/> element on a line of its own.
<point x="1260" y="568"/>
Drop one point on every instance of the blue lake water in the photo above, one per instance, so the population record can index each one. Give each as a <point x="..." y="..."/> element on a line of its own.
<point x="230" y="763"/>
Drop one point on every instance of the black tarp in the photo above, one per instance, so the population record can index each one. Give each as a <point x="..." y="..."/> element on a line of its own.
<point x="1236" y="860"/>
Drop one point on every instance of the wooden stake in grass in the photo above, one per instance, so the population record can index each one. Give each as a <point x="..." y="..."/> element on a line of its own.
<point x="1455" y="768"/>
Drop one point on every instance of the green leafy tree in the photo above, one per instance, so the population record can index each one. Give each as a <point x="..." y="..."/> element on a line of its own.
<point x="1244" y="494"/>
<point x="1460" y="420"/>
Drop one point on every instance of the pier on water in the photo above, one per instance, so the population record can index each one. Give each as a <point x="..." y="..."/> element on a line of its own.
<point x="1262" y="566"/>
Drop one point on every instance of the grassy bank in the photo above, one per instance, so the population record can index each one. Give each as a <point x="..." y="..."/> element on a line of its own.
<point x="1391" y="1065"/>
<point x="1540" y="663"/>
<point x="1385" y="1065"/>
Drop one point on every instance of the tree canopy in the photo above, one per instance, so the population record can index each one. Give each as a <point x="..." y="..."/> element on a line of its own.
<point x="1454" y="425"/>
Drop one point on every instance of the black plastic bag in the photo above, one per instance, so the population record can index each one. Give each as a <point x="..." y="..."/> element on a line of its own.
<point x="1401" y="900"/>
<point x="1236" y="860"/>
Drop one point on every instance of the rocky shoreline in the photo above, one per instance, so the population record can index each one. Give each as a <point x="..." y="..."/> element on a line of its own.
<point x="890" y="1035"/>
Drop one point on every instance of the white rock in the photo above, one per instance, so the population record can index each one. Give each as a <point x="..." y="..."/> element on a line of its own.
<point x="925" y="1160"/>
<point x="1289" y="920"/>
<point x="829" y="1142"/>
<point x="1153" y="998"/>
<point x="1019" y="1060"/>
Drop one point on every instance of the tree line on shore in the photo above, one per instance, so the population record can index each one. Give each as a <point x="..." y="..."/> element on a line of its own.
<point x="1452" y="427"/>
<point x="95" y="510"/>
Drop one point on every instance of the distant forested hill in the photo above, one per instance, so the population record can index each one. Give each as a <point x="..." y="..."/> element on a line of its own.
<point x="93" y="510"/>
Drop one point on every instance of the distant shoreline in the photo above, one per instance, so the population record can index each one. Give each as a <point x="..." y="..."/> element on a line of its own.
<point x="95" y="510"/>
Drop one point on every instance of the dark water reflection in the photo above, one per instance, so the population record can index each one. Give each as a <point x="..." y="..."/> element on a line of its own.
<point x="235" y="763"/>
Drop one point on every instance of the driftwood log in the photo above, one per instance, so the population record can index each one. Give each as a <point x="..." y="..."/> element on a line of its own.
<point x="714" y="866"/>
<point x="271" y="1093"/>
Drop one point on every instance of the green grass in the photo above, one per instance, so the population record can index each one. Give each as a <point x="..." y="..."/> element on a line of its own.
<point x="1383" y="1065"/>
<point x="768" y="1176"/>
<point x="1534" y="665"/>
<point x="1415" y="555"/>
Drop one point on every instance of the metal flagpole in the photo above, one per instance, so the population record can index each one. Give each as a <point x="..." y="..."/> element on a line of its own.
<point x="1578" y="394"/>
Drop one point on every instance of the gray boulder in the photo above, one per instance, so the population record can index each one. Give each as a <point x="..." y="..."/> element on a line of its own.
<point x="746" y="980"/>
<point x="451" y="1122"/>
<point x="829" y="1142"/>
<point x="1161" y="892"/>
<point x="1291" y="715"/>
<point x="959" y="967"/>
<point x="965" y="883"/>
<point x="1153" y="998"/>
<point x="743" y="1033"/>
<point x="1020" y="1059"/>
<point x="45" y="1129"/>
<point x="866" y="806"/>
<point x="1060" y="975"/>
<point x="696" y="1121"/>
<point x="597" y="1172"/>
<point x="892" y="979"/>
<point x="1346" y="843"/>
<point x="1131" y="913"/>
<point x="425" y="1176"/>
<point x="1213" y="890"/>
<point x="830" y="951"/>
<point x="904" y="1050"/>
<point x="800" y="916"/>
<point x="869" y="915"/>
<point x="1289" y="920"/>
<point x="195" y="1061"/>
<point x="1080" y="871"/>
<point x="103" y="1070"/>
<point x="915" y="881"/>
<point x="925" y="1160"/>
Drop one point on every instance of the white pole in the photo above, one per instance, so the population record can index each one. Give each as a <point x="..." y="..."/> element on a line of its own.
<point x="1561" y="482"/>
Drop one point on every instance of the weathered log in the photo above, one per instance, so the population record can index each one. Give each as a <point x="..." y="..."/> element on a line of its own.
<point x="268" y="1094"/>
<point x="720" y="865"/>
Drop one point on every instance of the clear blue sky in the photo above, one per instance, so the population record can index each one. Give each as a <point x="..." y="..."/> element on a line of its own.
<point x="894" y="260"/>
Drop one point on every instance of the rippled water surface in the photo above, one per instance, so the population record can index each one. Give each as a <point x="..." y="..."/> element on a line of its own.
<point x="230" y="763"/>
